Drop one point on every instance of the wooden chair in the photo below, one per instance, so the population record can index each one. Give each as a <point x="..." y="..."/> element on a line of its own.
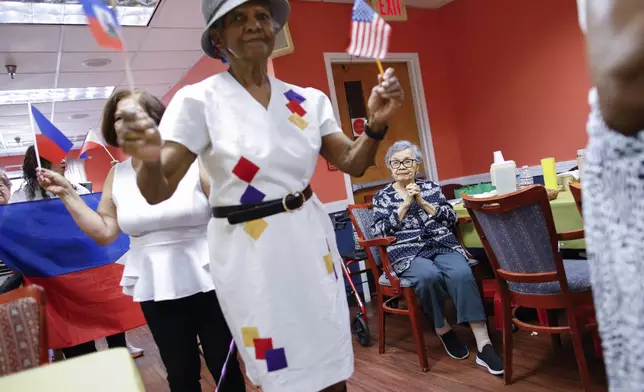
<point x="518" y="234"/>
<point x="390" y="288"/>
<point x="448" y="190"/>
<point x="575" y="189"/>
<point x="23" y="330"/>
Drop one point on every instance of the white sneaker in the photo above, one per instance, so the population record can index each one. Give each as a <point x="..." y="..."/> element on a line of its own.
<point x="135" y="352"/>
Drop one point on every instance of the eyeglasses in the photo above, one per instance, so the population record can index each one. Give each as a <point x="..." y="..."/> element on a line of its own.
<point x="406" y="163"/>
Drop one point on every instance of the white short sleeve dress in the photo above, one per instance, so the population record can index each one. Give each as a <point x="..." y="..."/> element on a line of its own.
<point x="278" y="279"/>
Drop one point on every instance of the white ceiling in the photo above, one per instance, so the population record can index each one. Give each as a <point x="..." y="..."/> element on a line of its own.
<point x="51" y="56"/>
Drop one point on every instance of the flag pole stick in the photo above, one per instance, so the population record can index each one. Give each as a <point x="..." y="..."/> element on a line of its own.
<point x="108" y="153"/>
<point x="382" y="70"/>
<point x="33" y="130"/>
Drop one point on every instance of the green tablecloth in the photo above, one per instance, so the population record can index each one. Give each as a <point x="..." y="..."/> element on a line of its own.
<point x="564" y="210"/>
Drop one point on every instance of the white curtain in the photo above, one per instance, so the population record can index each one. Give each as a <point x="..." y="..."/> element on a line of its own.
<point x="75" y="172"/>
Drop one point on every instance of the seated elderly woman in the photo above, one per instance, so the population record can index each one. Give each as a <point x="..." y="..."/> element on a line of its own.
<point x="426" y="252"/>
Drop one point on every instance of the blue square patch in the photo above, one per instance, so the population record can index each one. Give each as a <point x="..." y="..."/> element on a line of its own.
<point x="252" y="195"/>
<point x="275" y="359"/>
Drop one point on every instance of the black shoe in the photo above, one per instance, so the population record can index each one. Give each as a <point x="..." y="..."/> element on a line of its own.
<point x="453" y="346"/>
<point x="490" y="359"/>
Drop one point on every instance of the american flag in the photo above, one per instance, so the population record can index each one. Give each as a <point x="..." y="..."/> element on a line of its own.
<point x="369" y="32"/>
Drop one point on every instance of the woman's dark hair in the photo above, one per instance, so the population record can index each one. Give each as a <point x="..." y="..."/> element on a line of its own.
<point x="151" y="104"/>
<point x="29" y="166"/>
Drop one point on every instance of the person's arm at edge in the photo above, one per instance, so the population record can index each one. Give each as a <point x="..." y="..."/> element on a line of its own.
<point x="615" y="45"/>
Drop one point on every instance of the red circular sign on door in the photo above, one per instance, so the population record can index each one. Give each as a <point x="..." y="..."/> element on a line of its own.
<point x="358" y="125"/>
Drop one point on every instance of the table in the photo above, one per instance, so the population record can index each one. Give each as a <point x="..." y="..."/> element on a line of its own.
<point x="564" y="211"/>
<point x="104" y="371"/>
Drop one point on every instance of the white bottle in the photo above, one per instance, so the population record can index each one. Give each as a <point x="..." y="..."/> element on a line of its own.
<point x="504" y="175"/>
<point x="526" y="178"/>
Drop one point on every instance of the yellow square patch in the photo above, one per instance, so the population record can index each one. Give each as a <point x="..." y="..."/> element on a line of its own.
<point x="298" y="121"/>
<point x="250" y="334"/>
<point x="255" y="228"/>
<point x="328" y="261"/>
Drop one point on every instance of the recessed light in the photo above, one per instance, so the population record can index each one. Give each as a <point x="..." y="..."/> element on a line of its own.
<point x="78" y="116"/>
<point x="96" y="63"/>
<point x="16" y="97"/>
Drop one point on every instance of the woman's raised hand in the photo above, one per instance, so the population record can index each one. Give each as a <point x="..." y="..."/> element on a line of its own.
<point x="138" y="135"/>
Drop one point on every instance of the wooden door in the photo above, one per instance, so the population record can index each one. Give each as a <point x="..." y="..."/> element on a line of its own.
<point x="347" y="78"/>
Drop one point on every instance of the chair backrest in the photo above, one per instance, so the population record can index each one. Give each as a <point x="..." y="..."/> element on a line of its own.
<point x="518" y="233"/>
<point x="575" y="189"/>
<point x="362" y="217"/>
<point x="448" y="190"/>
<point x="23" y="330"/>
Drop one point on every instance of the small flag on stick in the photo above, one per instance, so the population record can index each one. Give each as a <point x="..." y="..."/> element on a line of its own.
<point x="103" y="23"/>
<point x="370" y="33"/>
<point x="91" y="142"/>
<point x="51" y="144"/>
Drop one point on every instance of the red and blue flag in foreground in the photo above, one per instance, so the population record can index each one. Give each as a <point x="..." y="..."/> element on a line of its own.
<point x="53" y="145"/>
<point x="103" y="23"/>
<point x="81" y="279"/>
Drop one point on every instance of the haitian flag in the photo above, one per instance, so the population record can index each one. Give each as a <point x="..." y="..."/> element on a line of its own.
<point x="81" y="279"/>
<point x="103" y="23"/>
<point x="52" y="144"/>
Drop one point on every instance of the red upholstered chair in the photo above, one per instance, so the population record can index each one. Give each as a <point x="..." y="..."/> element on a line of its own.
<point x="23" y="330"/>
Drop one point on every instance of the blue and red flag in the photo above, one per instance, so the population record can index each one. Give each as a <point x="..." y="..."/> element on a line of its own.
<point x="81" y="279"/>
<point x="52" y="144"/>
<point x="103" y="23"/>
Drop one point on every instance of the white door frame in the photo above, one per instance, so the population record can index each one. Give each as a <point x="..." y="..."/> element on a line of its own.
<point x="420" y="108"/>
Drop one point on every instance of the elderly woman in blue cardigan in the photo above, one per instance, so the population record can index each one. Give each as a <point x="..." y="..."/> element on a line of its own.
<point x="427" y="254"/>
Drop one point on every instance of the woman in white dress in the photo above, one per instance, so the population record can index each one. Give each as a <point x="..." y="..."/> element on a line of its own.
<point x="167" y="266"/>
<point x="273" y="253"/>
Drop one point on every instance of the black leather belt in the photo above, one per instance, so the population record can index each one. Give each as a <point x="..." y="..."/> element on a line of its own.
<point x="248" y="212"/>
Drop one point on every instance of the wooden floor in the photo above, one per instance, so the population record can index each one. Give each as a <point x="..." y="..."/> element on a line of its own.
<point x="538" y="367"/>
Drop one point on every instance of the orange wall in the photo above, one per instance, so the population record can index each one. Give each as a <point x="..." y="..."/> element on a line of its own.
<point x="420" y="34"/>
<point x="519" y="83"/>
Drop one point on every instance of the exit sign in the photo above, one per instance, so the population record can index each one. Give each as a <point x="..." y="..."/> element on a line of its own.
<point x="390" y="9"/>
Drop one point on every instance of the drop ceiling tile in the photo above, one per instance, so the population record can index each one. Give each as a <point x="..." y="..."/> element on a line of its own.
<point x="79" y="39"/>
<point x="184" y="13"/>
<point x="90" y="79"/>
<point x="36" y="62"/>
<point x="73" y="61"/>
<point x="29" y="38"/>
<point x="165" y="60"/>
<point x="80" y="106"/>
<point x="168" y="76"/>
<point x="171" y="40"/>
<point x="28" y="81"/>
<point x="22" y="110"/>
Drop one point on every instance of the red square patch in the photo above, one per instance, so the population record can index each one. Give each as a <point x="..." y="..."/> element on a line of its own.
<point x="295" y="107"/>
<point x="245" y="170"/>
<point x="261" y="346"/>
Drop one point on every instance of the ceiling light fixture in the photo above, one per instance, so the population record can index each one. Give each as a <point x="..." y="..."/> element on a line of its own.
<point x="70" y="12"/>
<point x="78" y="116"/>
<point x="16" y="97"/>
<point x="96" y="63"/>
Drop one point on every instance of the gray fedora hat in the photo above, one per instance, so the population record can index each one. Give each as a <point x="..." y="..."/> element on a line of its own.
<point x="213" y="10"/>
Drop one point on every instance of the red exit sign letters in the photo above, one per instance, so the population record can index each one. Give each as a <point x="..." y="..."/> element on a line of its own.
<point x="391" y="9"/>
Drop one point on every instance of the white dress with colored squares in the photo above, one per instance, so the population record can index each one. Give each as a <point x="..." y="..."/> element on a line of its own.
<point x="278" y="279"/>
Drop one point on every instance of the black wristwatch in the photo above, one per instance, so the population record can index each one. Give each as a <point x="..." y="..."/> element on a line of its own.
<point x="373" y="135"/>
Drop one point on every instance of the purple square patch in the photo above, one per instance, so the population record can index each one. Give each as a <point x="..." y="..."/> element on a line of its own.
<point x="252" y="195"/>
<point x="293" y="96"/>
<point x="275" y="359"/>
